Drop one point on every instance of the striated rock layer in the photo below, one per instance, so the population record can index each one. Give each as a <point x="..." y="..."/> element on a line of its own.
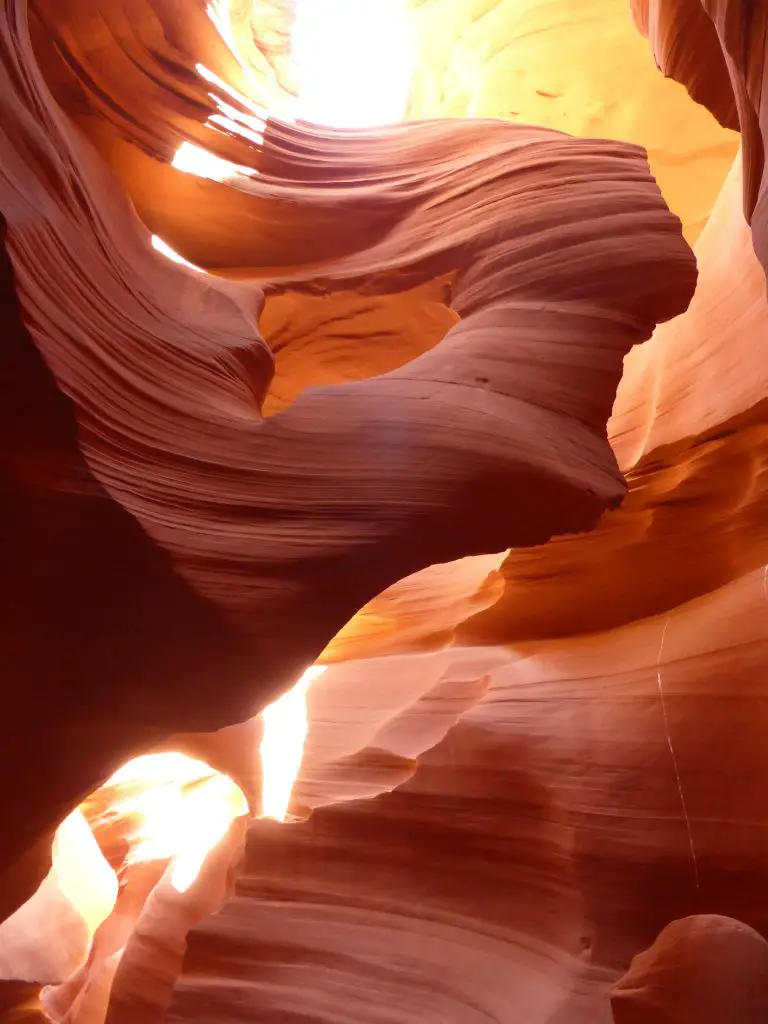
<point x="369" y="426"/>
<point x="281" y="528"/>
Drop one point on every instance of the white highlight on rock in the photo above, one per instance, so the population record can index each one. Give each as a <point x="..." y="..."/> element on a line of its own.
<point x="165" y="249"/>
<point x="673" y="755"/>
<point x="49" y="935"/>
<point x="282" y="746"/>
<point x="195" y="160"/>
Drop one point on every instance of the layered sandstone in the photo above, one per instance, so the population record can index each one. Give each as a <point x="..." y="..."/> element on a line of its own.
<point x="372" y="427"/>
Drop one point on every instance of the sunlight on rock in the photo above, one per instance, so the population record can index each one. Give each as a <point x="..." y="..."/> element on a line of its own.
<point x="165" y="249"/>
<point x="285" y="730"/>
<point x="50" y="934"/>
<point x="195" y="160"/>
<point x="180" y="809"/>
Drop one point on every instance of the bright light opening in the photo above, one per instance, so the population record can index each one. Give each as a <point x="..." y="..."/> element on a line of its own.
<point x="167" y="808"/>
<point x="41" y="940"/>
<point x="81" y="871"/>
<point x="180" y="809"/>
<point x="354" y="61"/>
<point x="282" y="745"/>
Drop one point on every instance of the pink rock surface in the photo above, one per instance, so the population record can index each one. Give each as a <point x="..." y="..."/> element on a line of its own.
<point x="398" y="420"/>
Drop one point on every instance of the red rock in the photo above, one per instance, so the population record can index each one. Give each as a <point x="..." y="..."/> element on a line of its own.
<point x="699" y="969"/>
<point x="396" y="418"/>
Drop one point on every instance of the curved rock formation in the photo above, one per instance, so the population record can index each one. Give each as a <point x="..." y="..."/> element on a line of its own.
<point x="735" y="77"/>
<point x="359" y="481"/>
<point x="699" y="969"/>
<point x="394" y="418"/>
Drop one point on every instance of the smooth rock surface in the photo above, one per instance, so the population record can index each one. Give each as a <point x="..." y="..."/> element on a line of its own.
<point x="398" y="419"/>
<point x="699" y="970"/>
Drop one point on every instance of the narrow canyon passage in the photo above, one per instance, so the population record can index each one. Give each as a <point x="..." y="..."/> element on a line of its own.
<point x="383" y="560"/>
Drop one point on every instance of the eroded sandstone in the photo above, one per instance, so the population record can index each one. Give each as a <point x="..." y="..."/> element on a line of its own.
<point x="371" y="426"/>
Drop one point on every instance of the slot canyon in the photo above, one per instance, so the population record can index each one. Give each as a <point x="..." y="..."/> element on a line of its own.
<point x="384" y="511"/>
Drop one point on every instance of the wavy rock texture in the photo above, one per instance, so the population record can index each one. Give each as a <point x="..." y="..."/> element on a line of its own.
<point x="735" y="90"/>
<point x="375" y="433"/>
<point x="358" y="482"/>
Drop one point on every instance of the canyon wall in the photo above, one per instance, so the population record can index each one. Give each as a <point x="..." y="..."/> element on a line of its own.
<point x="450" y="406"/>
